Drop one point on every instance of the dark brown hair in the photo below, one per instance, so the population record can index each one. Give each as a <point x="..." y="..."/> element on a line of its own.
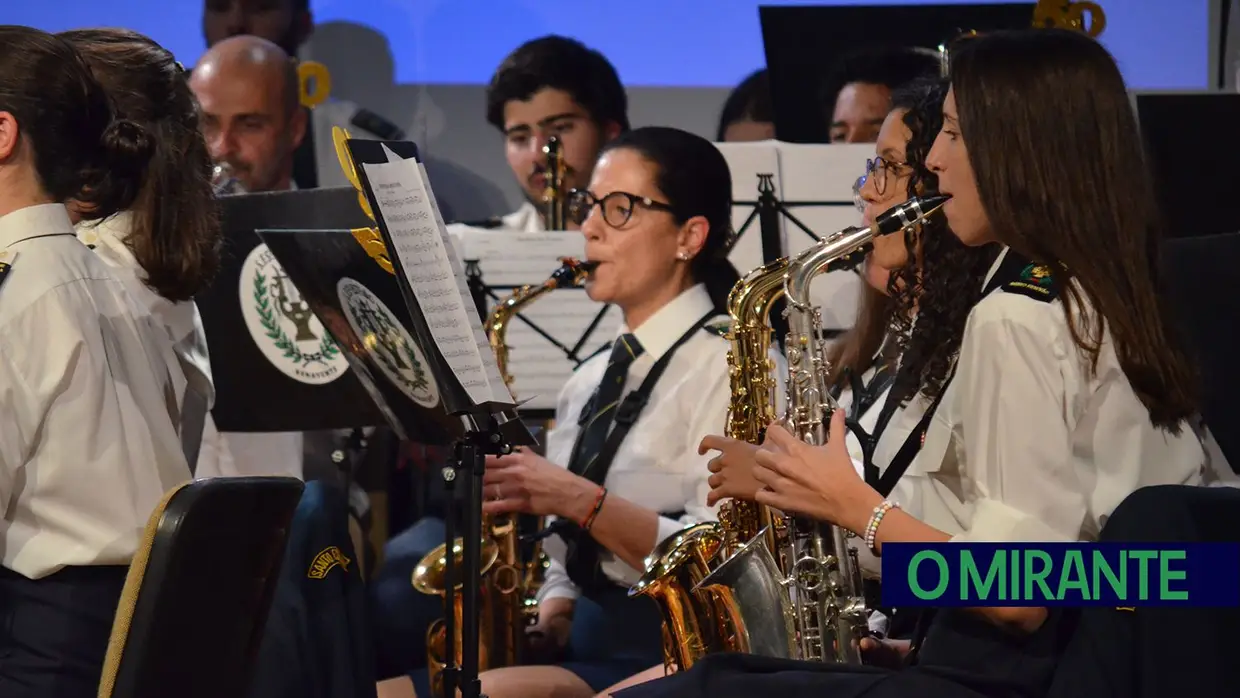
<point x="80" y="151"/>
<point x="175" y="234"/>
<point x="944" y="277"/>
<point x="696" y="180"/>
<point x="1055" y="148"/>
<point x="856" y="350"/>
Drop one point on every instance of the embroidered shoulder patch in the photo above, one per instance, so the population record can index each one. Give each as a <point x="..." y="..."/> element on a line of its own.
<point x="6" y="264"/>
<point x="327" y="560"/>
<point x="721" y="328"/>
<point x="1035" y="281"/>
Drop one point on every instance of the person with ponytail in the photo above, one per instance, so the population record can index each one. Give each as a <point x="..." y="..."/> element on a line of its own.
<point x="89" y="443"/>
<point x="165" y="247"/>
<point x="657" y="220"/>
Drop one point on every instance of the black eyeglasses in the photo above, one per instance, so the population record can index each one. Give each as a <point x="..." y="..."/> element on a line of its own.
<point x="880" y="169"/>
<point x="617" y="207"/>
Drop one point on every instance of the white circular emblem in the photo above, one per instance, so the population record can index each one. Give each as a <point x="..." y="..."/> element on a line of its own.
<point x="282" y="324"/>
<point x="391" y="345"/>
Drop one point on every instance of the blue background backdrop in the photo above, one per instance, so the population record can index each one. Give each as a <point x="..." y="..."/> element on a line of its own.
<point x="689" y="43"/>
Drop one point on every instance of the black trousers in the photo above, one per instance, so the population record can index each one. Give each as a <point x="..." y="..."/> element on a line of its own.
<point x="962" y="656"/>
<point x="54" y="631"/>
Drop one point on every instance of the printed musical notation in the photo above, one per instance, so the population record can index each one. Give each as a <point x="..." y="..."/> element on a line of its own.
<point x="435" y="274"/>
<point x="510" y="259"/>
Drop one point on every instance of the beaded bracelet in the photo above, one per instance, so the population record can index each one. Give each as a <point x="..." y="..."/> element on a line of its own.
<point x="871" y="528"/>
<point x="598" y="506"/>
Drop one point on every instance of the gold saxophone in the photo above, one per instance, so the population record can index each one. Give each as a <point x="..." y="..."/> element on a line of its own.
<point x="793" y="590"/>
<point x="509" y="584"/>
<point x="700" y="616"/>
<point x="555" y="197"/>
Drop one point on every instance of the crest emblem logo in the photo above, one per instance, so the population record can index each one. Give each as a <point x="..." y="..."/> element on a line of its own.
<point x="282" y="325"/>
<point x="390" y="345"/>
<point x="1036" y="274"/>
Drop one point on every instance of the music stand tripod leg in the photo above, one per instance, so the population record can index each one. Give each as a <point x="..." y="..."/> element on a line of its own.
<point x="449" y="675"/>
<point x="472" y="451"/>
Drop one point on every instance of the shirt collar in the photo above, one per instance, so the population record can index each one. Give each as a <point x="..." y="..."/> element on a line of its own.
<point x="994" y="266"/>
<point x="669" y="323"/>
<point x="43" y="219"/>
<point x="111" y="233"/>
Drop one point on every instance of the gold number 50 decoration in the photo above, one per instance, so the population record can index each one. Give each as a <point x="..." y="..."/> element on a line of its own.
<point x="368" y="238"/>
<point x="309" y="72"/>
<point x="1083" y="16"/>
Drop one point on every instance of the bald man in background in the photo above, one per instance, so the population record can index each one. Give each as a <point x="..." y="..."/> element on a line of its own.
<point x="251" y="117"/>
<point x="247" y="89"/>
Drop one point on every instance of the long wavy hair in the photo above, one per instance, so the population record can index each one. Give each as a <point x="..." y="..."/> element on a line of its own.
<point x="1096" y="220"/>
<point x="933" y="293"/>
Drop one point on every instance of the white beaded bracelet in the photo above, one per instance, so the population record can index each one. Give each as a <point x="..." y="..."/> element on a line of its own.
<point x="871" y="528"/>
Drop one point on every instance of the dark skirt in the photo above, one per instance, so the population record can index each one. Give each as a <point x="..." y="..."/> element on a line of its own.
<point x="612" y="638"/>
<point x="54" y="631"/>
<point x="962" y="656"/>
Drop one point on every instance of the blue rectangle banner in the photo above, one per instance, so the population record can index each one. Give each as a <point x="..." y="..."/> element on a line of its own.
<point x="1061" y="574"/>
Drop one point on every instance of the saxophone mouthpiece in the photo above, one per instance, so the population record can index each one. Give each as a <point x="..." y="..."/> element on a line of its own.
<point x="588" y="266"/>
<point x="908" y="214"/>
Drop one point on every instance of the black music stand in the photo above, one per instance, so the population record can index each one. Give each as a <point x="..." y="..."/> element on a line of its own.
<point x="1176" y="127"/>
<point x="578" y="352"/>
<point x="491" y="427"/>
<point x="803" y="44"/>
<point x="767" y="210"/>
<point x="275" y="367"/>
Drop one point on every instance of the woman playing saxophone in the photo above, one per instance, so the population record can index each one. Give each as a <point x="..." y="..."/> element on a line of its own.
<point x="1047" y="418"/>
<point x="657" y="220"/>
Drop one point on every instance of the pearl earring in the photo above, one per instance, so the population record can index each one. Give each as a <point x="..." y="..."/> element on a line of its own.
<point x="684" y="256"/>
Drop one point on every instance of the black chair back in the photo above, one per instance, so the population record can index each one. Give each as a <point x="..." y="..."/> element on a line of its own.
<point x="196" y="599"/>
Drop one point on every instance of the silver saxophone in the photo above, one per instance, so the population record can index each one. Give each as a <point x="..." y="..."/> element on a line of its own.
<point x="813" y="578"/>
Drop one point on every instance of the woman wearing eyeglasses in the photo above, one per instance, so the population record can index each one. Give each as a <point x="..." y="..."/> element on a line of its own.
<point x="619" y="477"/>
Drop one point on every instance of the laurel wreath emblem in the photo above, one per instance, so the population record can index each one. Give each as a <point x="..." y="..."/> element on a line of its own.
<point x="327" y="349"/>
<point x="387" y="335"/>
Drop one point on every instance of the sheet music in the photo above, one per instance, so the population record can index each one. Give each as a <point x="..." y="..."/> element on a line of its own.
<point x="509" y="258"/>
<point x="803" y="173"/>
<point x="435" y="275"/>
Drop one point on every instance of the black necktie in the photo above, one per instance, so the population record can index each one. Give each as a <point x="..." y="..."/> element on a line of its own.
<point x="601" y="413"/>
<point x="582" y="559"/>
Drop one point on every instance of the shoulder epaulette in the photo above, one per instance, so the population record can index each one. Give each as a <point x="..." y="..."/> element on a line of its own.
<point x="6" y="264"/>
<point x="1036" y="281"/>
<point x="720" y="328"/>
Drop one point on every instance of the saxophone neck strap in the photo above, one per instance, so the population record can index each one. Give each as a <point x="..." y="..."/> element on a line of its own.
<point x="627" y="413"/>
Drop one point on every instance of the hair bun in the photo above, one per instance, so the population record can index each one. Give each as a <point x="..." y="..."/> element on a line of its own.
<point x="127" y="145"/>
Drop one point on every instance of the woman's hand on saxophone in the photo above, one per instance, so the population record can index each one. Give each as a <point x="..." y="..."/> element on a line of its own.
<point x="526" y="483"/>
<point x="816" y="481"/>
<point x="732" y="470"/>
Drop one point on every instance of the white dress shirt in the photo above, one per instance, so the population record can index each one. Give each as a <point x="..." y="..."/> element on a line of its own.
<point x="525" y="219"/>
<point x="90" y="389"/>
<point x="180" y="319"/>
<point x="657" y="466"/>
<point x="1029" y="445"/>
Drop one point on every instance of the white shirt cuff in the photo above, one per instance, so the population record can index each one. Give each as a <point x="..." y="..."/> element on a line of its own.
<point x="996" y="522"/>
